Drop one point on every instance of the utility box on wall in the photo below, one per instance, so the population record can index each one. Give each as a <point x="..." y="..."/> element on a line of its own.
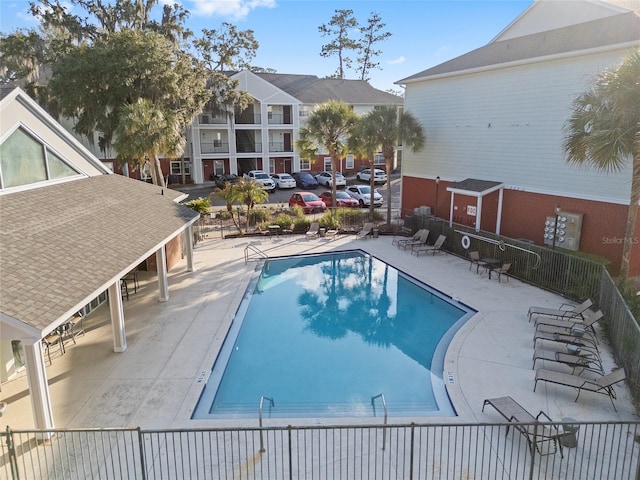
<point x="566" y="233"/>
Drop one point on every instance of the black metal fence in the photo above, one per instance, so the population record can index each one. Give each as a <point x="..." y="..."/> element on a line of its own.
<point x="432" y="451"/>
<point x="553" y="269"/>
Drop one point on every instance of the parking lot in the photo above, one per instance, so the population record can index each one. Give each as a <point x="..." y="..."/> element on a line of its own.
<point x="282" y="196"/>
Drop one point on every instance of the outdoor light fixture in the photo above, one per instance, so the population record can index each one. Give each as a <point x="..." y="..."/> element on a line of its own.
<point x="435" y="210"/>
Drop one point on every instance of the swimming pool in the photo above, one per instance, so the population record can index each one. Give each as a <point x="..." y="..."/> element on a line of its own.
<point x="323" y="334"/>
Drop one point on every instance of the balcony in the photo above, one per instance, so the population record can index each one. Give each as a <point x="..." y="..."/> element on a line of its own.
<point x="278" y="147"/>
<point x="206" y="119"/>
<point x="214" y="147"/>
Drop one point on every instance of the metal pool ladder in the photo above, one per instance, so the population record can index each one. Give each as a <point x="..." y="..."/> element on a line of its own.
<point x="262" y="399"/>
<point x="251" y="251"/>
<point x="384" y="405"/>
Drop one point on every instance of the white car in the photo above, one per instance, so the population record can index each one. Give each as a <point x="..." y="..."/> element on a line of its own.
<point x="324" y="178"/>
<point x="362" y="193"/>
<point x="283" y="180"/>
<point x="262" y="178"/>
<point x="379" y="177"/>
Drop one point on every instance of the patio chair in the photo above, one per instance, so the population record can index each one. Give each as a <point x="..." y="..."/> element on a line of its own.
<point x="420" y="241"/>
<point x="314" y="230"/>
<point x="574" y="357"/>
<point x="51" y="340"/>
<point x="332" y="233"/>
<point x="367" y="229"/>
<point x="402" y="240"/>
<point x="603" y="384"/>
<point x="575" y="337"/>
<point x="548" y="324"/>
<point x="474" y="259"/>
<point x="588" y="322"/>
<point x="436" y="247"/>
<point x="565" y="311"/>
<point x="501" y="271"/>
<point x="536" y="434"/>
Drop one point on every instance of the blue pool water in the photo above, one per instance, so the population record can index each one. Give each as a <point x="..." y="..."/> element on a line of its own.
<point x="323" y="334"/>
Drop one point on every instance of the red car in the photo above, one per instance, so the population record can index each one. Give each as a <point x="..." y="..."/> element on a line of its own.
<point x="309" y="202"/>
<point x="343" y="199"/>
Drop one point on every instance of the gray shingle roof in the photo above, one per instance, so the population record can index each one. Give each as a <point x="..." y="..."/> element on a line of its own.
<point x="474" y="185"/>
<point x="62" y="244"/>
<point x="310" y="89"/>
<point x="613" y="30"/>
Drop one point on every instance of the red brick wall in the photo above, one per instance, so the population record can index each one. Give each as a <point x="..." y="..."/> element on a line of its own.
<point x="524" y="214"/>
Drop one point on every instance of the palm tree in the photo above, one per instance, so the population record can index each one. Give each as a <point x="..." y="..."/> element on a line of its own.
<point x="329" y="125"/>
<point x="603" y="131"/>
<point x="145" y="131"/>
<point x="384" y="128"/>
<point x="249" y="192"/>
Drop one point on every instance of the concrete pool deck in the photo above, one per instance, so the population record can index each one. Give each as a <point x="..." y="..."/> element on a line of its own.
<point x="172" y="345"/>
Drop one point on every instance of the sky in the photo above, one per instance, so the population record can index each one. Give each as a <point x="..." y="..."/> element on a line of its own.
<point x="424" y="33"/>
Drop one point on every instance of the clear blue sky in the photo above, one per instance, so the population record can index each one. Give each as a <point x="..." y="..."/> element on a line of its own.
<point x="424" y="32"/>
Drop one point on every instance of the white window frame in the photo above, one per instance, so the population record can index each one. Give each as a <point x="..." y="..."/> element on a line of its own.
<point x="378" y="159"/>
<point x="327" y="164"/>
<point x="305" y="164"/>
<point x="349" y="162"/>
<point x="183" y="166"/>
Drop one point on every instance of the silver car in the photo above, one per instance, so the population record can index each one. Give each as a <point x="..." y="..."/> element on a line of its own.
<point x="362" y="193"/>
<point x="324" y="178"/>
<point x="283" y="180"/>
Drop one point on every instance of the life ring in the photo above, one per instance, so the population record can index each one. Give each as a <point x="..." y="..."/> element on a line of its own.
<point x="466" y="242"/>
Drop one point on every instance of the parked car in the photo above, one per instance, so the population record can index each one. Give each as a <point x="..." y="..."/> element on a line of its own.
<point x="222" y="180"/>
<point x="324" y="178"/>
<point x="379" y="177"/>
<point x="283" y="180"/>
<point x="305" y="180"/>
<point x="262" y="178"/>
<point x="362" y="193"/>
<point x="343" y="199"/>
<point x="309" y="202"/>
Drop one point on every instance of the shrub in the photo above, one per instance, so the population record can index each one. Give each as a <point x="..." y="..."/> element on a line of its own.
<point x="296" y="211"/>
<point x="284" y="220"/>
<point x="259" y="215"/>
<point x="301" y="224"/>
<point x="200" y="205"/>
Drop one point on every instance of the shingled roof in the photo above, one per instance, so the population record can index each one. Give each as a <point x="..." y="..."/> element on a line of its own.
<point x="63" y="244"/>
<point x="312" y="90"/>
<point x="613" y="30"/>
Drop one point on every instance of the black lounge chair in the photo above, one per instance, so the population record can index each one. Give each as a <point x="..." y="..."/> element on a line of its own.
<point x="588" y="322"/>
<point x="603" y="384"/>
<point x="436" y="247"/>
<point x="536" y="435"/>
<point x="572" y="356"/>
<point x="565" y="311"/>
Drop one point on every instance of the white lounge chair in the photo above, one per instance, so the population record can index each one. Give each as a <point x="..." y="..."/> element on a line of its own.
<point x="314" y="230"/>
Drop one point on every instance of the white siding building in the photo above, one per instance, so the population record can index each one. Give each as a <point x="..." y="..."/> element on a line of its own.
<point x="497" y="114"/>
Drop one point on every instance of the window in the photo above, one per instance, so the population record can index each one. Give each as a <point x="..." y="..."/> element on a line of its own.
<point x="175" y="168"/>
<point x="378" y="159"/>
<point x="217" y="143"/>
<point x="24" y="160"/>
<point x="272" y="165"/>
<point x="327" y="164"/>
<point x="305" y="164"/>
<point x="218" y="167"/>
<point x="349" y="162"/>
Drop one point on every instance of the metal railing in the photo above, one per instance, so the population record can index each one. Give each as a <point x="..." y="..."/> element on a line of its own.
<point x="552" y="269"/>
<point x="440" y="451"/>
<point x="622" y="330"/>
